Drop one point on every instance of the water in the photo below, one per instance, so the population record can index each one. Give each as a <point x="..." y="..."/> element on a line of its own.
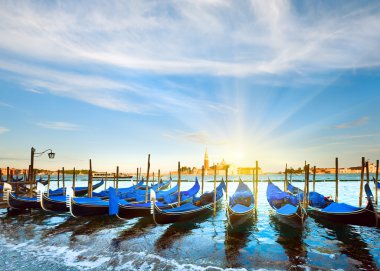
<point x="48" y="241"/>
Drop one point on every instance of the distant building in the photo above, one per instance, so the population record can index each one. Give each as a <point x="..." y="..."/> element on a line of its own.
<point x="349" y="170"/>
<point x="206" y="162"/>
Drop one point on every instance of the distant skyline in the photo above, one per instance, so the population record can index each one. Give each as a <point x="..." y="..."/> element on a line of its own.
<point x="278" y="82"/>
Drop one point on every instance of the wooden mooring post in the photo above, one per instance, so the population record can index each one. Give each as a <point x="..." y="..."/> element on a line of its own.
<point x="137" y="175"/>
<point x="90" y="180"/>
<point x="305" y="188"/>
<point x="58" y="178"/>
<point x="179" y="184"/>
<point x="117" y="179"/>
<point x="226" y="182"/>
<point x="257" y="185"/>
<point x="336" y="179"/>
<point x="377" y="181"/>
<point x="147" y="180"/>
<point x="286" y="178"/>
<point x="314" y="177"/>
<point x="63" y="177"/>
<point x="214" y="213"/>
<point x="73" y="186"/>
<point x="203" y="178"/>
<point x="361" y="183"/>
<point x="48" y="185"/>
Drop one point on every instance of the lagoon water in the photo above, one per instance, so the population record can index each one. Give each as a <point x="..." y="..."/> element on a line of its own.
<point x="49" y="241"/>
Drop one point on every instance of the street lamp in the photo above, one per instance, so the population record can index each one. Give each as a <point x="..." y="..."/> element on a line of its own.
<point x="33" y="154"/>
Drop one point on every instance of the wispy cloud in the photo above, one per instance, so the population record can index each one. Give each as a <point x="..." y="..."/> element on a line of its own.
<point x="358" y="122"/>
<point x="200" y="137"/>
<point x="57" y="125"/>
<point x="3" y="130"/>
<point x="264" y="37"/>
<point x="32" y="90"/>
<point x="6" y="105"/>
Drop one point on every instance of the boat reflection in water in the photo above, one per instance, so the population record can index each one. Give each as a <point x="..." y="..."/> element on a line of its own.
<point x="139" y="229"/>
<point x="174" y="233"/>
<point x="292" y="240"/>
<point x="236" y="240"/>
<point x="352" y="244"/>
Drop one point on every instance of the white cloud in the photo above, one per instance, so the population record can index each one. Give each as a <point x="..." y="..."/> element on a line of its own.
<point x="57" y="125"/>
<point x="5" y="105"/>
<point x="358" y="122"/>
<point x="33" y="91"/>
<point x="3" y="130"/>
<point x="200" y="137"/>
<point x="187" y="37"/>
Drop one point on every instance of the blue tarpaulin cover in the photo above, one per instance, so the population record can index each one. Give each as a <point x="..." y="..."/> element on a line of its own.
<point x="340" y="208"/>
<point x="113" y="202"/>
<point x="287" y="209"/>
<point x="277" y="198"/>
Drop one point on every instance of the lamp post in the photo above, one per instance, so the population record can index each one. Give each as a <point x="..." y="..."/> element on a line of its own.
<point x="33" y="154"/>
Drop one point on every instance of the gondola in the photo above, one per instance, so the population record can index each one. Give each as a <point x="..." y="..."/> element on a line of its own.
<point x="20" y="202"/>
<point x="128" y="210"/>
<point x="98" y="206"/>
<point x="288" y="207"/>
<point x="241" y="205"/>
<point x="293" y="189"/>
<point x="58" y="203"/>
<point x="139" y="194"/>
<point x="23" y="202"/>
<point x="79" y="191"/>
<point x="200" y="206"/>
<point x="347" y="214"/>
<point x="17" y="179"/>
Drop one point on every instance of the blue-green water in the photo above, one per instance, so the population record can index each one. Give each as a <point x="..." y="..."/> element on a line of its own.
<point x="48" y="241"/>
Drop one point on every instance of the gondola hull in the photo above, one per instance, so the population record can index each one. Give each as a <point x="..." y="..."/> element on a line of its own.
<point x="128" y="212"/>
<point x="296" y="219"/>
<point x="51" y="204"/>
<point x="15" y="202"/>
<point x="88" y="209"/>
<point x="166" y="218"/>
<point x="239" y="218"/>
<point x="363" y="217"/>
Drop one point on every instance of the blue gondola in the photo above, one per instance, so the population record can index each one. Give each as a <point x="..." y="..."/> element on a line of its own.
<point x="343" y="213"/>
<point x="22" y="202"/>
<point x="199" y="206"/>
<point x="100" y="206"/>
<point x="241" y="205"/>
<point x="287" y="206"/>
<point x="130" y="210"/>
<point x="58" y="203"/>
<point x="294" y="190"/>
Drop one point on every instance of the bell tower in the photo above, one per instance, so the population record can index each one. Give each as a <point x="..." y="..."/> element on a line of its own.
<point x="206" y="163"/>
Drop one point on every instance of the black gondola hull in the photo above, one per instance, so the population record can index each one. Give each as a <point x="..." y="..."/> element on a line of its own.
<point x="236" y="219"/>
<point x="297" y="219"/>
<point x="132" y="212"/>
<point x="49" y="204"/>
<point x="128" y="212"/>
<point x="364" y="217"/>
<point x="79" y="210"/>
<point x="166" y="218"/>
<point x="18" y="203"/>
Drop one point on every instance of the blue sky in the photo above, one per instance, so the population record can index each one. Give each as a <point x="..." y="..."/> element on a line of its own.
<point x="113" y="81"/>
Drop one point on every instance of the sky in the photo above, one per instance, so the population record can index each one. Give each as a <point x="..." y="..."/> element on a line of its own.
<point x="274" y="81"/>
